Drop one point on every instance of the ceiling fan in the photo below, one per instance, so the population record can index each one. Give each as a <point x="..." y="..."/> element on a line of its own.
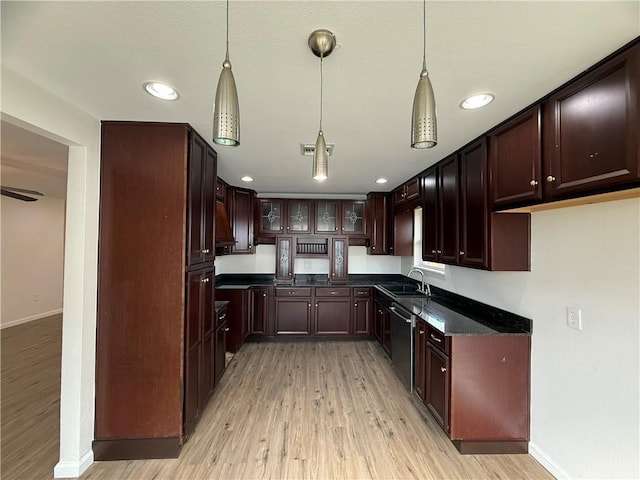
<point x="14" y="192"/>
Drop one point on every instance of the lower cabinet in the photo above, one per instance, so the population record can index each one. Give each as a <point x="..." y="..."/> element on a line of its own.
<point x="332" y="311"/>
<point x="362" y="310"/>
<point x="220" y="362"/>
<point x="293" y="311"/>
<point x="476" y="387"/>
<point x="236" y="315"/>
<point x="259" y="308"/>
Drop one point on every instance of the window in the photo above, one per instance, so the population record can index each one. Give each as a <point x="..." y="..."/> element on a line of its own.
<point x="417" y="246"/>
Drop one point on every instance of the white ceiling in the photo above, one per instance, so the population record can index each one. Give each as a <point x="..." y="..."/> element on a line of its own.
<point x="96" y="55"/>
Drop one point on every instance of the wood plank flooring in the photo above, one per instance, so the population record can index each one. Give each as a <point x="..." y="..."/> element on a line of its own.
<point x="330" y="410"/>
<point x="30" y="399"/>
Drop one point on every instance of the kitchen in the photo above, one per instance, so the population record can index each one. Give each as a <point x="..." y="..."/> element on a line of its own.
<point x="565" y="272"/>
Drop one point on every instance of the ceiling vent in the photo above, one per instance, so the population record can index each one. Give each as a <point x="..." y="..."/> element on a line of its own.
<point x="308" y="149"/>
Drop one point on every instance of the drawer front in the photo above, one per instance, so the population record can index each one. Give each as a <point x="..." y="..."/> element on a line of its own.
<point x="333" y="291"/>
<point x="438" y="339"/>
<point x="293" y="292"/>
<point x="359" y="292"/>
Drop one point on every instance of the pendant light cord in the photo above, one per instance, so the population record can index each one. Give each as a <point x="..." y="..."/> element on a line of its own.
<point x="321" y="57"/>
<point x="424" y="34"/>
<point x="227" y="55"/>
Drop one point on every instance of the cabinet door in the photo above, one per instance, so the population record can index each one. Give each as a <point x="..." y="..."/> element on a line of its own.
<point x="242" y="220"/>
<point x="448" y="211"/>
<point x="332" y="316"/>
<point x="284" y="258"/>
<point x="378" y="211"/>
<point x="437" y="385"/>
<point x="220" y="352"/>
<point x="403" y="233"/>
<point x="207" y="377"/>
<point x="327" y="216"/>
<point x="420" y="344"/>
<point x="195" y="205"/>
<point x="209" y="205"/>
<point x="412" y="189"/>
<point x="377" y="320"/>
<point x="591" y="130"/>
<point x="293" y="316"/>
<point x="338" y="261"/>
<point x="386" y="330"/>
<point x="271" y="220"/>
<point x="259" y="311"/>
<point x="515" y="158"/>
<point x="354" y="218"/>
<point x="399" y="195"/>
<point x="473" y="205"/>
<point x="430" y="216"/>
<point x="362" y="316"/>
<point x="299" y="216"/>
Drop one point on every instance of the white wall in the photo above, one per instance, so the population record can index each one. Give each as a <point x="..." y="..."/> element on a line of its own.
<point x="263" y="261"/>
<point x="31" y="107"/>
<point x="32" y="255"/>
<point x="585" y="399"/>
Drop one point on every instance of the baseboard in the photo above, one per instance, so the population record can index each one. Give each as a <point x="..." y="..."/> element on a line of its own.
<point x="31" y="318"/>
<point x="544" y="460"/>
<point x="73" y="469"/>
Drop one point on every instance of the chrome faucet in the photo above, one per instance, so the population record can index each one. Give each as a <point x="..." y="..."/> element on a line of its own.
<point x="424" y="286"/>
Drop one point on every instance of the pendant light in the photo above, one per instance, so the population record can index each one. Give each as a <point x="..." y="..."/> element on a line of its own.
<point x="226" y="114"/>
<point x="321" y="42"/>
<point x="424" y="128"/>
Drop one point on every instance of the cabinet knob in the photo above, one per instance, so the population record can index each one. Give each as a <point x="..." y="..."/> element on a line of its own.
<point x="333" y="292"/>
<point x="316" y="305"/>
<point x="373" y="248"/>
<point x="433" y="251"/>
<point x="206" y="280"/>
<point x="333" y="274"/>
<point x="421" y="332"/>
<point x="551" y="178"/>
<point x="287" y="228"/>
<point x="461" y="252"/>
<point x="226" y="329"/>
<point x="594" y="154"/>
<point x="281" y="228"/>
<point x="308" y="305"/>
<point x="439" y="251"/>
<point x="533" y="183"/>
<point x="336" y="228"/>
<point x="250" y="247"/>
<point x="289" y="274"/>
<point x="206" y="250"/>
<point x="443" y="369"/>
<point x="223" y="316"/>
<point x="264" y="294"/>
<point x="355" y="304"/>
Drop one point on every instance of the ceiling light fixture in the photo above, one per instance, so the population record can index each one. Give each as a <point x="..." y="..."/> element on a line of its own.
<point x="247" y="178"/>
<point x="226" y="114"/>
<point x="321" y="42"/>
<point x="381" y="180"/>
<point x="477" y="101"/>
<point x="161" y="90"/>
<point x="424" y="128"/>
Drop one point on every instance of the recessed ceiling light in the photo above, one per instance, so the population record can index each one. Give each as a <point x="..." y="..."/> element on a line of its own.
<point x="381" y="180"/>
<point x="477" y="101"/>
<point x="161" y="90"/>
<point x="247" y="178"/>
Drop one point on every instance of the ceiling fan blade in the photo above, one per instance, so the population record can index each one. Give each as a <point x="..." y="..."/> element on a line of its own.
<point x="22" y="190"/>
<point x="9" y="193"/>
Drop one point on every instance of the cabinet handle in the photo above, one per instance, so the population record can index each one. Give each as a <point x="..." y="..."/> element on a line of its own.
<point x="250" y="246"/>
<point x="533" y="183"/>
<point x="433" y="251"/>
<point x="461" y="252"/>
<point x="333" y="293"/>
<point x="206" y="280"/>
<point x="439" y="251"/>
<point x="291" y="292"/>
<point x="435" y="338"/>
<point x="223" y="316"/>
<point x="595" y="154"/>
<point x="206" y="250"/>
<point x="551" y="178"/>
<point x="443" y="369"/>
<point x="226" y="329"/>
<point x="421" y="332"/>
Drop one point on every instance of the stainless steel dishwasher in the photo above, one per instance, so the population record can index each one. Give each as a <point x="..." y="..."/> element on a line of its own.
<point x="402" y="325"/>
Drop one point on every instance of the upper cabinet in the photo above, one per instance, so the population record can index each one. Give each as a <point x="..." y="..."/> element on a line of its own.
<point x="515" y="157"/>
<point x="270" y="216"/>
<point x="354" y="217"/>
<point x="299" y="216"/>
<point x="242" y="219"/>
<point x="379" y="212"/>
<point x="327" y="216"/>
<point x="408" y="192"/>
<point x="591" y="130"/>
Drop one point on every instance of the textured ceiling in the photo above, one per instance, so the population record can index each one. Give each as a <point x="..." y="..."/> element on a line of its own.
<point x="96" y="55"/>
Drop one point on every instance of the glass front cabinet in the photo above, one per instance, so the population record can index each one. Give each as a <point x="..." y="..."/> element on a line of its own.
<point x="271" y="216"/>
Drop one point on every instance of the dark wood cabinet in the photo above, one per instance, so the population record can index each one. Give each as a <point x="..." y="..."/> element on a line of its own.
<point x="403" y="233"/>
<point x="378" y="211"/>
<point x="242" y="220"/>
<point x="293" y="311"/>
<point x="270" y="218"/>
<point x="153" y="340"/>
<point x="222" y="329"/>
<point x="284" y="258"/>
<point x="327" y="216"/>
<point x="448" y="210"/>
<point x="362" y="311"/>
<point x="236" y="315"/>
<point x="590" y="130"/>
<point x="408" y="192"/>
<point x="221" y="191"/>
<point x="430" y="215"/>
<point x="474" y="208"/>
<point x="299" y="216"/>
<point x="515" y="157"/>
<point x="338" y="260"/>
<point x="354" y="218"/>
<point x="420" y="359"/>
<point x="259" y="315"/>
<point x="378" y="313"/>
<point x="437" y="381"/>
<point x="201" y="202"/>
<point x="332" y="311"/>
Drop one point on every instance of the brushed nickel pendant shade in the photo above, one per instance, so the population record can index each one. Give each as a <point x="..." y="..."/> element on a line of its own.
<point x="226" y="114"/>
<point x="424" y="128"/>
<point x="321" y="42"/>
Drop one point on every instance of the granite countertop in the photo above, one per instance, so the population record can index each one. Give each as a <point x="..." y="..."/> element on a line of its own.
<point x="446" y="311"/>
<point x="220" y="304"/>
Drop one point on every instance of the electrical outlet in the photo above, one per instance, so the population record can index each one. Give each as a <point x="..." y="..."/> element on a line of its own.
<point x="383" y="266"/>
<point x="574" y="318"/>
<point x="36" y="297"/>
<point x="307" y="265"/>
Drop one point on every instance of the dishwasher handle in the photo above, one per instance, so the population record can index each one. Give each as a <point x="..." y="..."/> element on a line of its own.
<point x="395" y="310"/>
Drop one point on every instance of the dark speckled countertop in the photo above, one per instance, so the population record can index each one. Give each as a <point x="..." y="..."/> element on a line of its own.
<point x="448" y="312"/>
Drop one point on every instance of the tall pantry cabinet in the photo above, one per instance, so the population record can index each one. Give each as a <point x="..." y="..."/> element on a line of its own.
<point x="154" y="353"/>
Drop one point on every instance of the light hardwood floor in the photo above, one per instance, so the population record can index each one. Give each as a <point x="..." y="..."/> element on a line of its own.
<point x="331" y="410"/>
<point x="30" y="399"/>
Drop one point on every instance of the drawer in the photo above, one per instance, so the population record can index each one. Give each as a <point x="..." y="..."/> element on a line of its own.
<point x="438" y="339"/>
<point x="361" y="292"/>
<point x="293" y="292"/>
<point x="333" y="291"/>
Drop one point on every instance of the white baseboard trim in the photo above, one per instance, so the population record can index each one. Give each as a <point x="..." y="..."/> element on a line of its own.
<point x="73" y="469"/>
<point x="544" y="460"/>
<point x="31" y="318"/>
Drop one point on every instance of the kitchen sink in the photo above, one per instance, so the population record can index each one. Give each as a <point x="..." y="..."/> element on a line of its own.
<point x="402" y="290"/>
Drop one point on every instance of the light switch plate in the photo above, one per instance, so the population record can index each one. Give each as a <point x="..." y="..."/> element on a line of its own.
<point x="574" y="318"/>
